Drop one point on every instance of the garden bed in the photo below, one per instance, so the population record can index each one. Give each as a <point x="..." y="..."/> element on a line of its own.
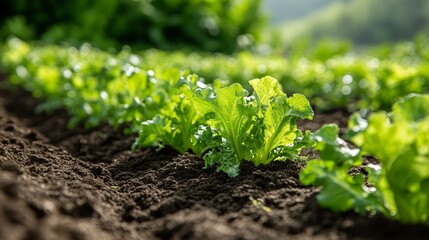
<point x="57" y="183"/>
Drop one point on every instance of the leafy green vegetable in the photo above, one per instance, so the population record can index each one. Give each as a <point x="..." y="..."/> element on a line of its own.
<point x="256" y="128"/>
<point x="176" y="122"/>
<point x="404" y="160"/>
<point x="341" y="191"/>
<point x="398" y="187"/>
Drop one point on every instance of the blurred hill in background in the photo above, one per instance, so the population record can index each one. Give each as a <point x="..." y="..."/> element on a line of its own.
<point x="286" y="10"/>
<point x="361" y="21"/>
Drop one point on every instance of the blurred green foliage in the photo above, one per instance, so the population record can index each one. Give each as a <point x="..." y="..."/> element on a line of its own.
<point x="209" y="25"/>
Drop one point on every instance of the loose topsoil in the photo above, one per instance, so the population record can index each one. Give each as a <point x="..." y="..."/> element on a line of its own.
<point x="60" y="183"/>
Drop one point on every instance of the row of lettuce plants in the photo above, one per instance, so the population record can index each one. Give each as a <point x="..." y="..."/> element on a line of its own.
<point x="371" y="80"/>
<point x="166" y="105"/>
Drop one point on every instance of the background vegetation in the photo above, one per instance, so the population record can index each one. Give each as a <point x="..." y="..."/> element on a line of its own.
<point x="215" y="26"/>
<point x="209" y="25"/>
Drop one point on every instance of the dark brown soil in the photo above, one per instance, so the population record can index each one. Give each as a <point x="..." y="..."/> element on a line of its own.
<point x="57" y="183"/>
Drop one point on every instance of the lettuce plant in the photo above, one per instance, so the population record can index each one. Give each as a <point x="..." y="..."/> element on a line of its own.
<point x="399" y="186"/>
<point x="176" y="122"/>
<point x="260" y="128"/>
